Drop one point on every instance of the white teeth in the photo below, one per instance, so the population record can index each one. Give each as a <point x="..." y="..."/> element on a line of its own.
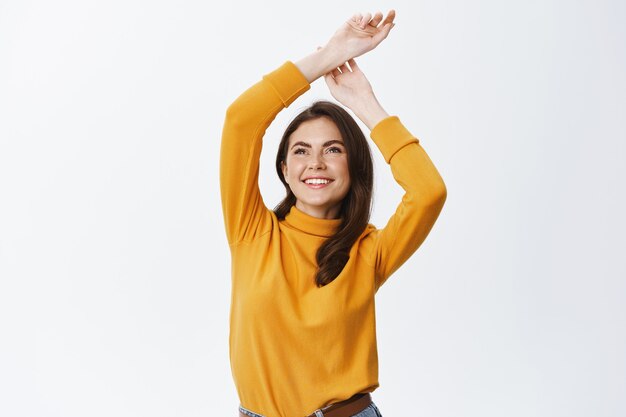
<point x="316" y="181"/>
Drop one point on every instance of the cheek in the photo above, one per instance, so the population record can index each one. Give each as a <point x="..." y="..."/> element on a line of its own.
<point x="345" y="172"/>
<point x="348" y="179"/>
<point x="290" y="169"/>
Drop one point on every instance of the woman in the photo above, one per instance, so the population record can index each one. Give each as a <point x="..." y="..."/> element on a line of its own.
<point x="302" y="322"/>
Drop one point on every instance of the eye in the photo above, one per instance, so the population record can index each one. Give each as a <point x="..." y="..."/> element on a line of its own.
<point x="299" y="151"/>
<point x="334" y="149"/>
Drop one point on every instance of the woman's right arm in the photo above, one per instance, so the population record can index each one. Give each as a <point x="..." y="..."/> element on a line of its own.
<point x="247" y="119"/>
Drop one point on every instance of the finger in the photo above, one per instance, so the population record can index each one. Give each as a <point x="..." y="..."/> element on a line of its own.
<point x="353" y="65"/>
<point x="344" y="68"/>
<point x="366" y="20"/>
<point x="336" y="72"/>
<point x="390" y="16"/>
<point x="378" y="17"/>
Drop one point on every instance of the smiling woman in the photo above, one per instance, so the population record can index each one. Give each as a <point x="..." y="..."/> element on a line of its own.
<point x="304" y="275"/>
<point x="349" y="197"/>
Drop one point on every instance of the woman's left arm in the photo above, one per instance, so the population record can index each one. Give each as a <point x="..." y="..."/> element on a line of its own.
<point x="425" y="191"/>
<point x="424" y="196"/>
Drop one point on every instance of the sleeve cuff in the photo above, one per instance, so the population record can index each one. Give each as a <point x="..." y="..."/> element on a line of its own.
<point x="288" y="82"/>
<point x="390" y="135"/>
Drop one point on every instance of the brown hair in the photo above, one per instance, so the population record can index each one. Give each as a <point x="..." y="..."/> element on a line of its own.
<point x="355" y="209"/>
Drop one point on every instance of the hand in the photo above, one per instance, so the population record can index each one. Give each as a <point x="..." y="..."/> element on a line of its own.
<point x="349" y="86"/>
<point x="361" y="34"/>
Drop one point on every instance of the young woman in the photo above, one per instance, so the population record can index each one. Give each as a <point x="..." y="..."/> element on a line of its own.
<point x="304" y="276"/>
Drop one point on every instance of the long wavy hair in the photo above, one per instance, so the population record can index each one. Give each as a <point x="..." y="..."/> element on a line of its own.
<point x="356" y="206"/>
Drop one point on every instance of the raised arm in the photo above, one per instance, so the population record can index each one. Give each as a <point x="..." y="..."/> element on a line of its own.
<point x="425" y="191"/>
<point x="424" y="196"/>
<point x="247" y="119"/>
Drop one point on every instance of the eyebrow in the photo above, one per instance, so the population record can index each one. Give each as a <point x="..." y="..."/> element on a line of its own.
<point x="306" y="145"/>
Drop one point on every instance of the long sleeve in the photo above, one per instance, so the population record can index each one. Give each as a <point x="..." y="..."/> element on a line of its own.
<point x="424" y="197"/>
<point x="247" y="119"/>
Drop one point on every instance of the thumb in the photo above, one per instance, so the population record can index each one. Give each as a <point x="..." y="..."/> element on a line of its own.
<point x="378" y="38"/>
<point x="330" y="80"/>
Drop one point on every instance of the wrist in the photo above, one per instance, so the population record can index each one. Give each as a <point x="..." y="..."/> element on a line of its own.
<point x="320" y="62"/>
<point x="331" y="57"/>
<point x="370" y="111"/>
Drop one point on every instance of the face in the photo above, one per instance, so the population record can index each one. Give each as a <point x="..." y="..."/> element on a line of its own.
<point x="316" y="168"/>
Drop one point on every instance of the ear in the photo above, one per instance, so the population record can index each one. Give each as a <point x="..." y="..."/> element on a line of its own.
<point x="283" y="167"/>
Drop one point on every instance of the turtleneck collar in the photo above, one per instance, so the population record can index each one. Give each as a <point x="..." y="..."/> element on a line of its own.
<point x="298" y="219"/>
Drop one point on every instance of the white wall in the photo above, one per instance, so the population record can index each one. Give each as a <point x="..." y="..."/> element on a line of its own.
<point x="114" y="268"/>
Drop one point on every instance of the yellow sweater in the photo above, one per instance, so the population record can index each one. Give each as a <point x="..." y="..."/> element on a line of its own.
<point x="295" y="347"/>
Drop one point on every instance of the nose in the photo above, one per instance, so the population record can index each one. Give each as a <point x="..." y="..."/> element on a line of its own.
<point x="316" y="162"/>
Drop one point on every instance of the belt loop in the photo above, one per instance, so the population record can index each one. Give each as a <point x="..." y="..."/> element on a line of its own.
<point x="318" y="413"/>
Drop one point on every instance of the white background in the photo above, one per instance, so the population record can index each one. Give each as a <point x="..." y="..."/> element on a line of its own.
<point x="114" y="268"/>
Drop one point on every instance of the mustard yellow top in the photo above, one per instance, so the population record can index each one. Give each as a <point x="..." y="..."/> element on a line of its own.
<point x="295" y="347"/>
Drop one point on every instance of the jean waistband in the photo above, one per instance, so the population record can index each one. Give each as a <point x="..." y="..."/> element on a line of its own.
<point x="346" y="408"/>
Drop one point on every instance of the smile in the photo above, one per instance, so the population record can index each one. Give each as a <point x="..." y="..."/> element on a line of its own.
<point x="317" y="182"/>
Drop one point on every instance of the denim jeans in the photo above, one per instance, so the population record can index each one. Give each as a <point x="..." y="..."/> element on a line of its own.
<point x="369" y="411"/>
